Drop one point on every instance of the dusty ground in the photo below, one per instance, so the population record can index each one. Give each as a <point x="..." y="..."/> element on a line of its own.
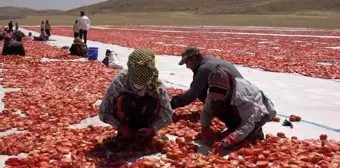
<point x="310" y="20"/>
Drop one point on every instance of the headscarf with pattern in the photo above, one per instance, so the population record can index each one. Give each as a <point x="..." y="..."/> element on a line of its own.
<point x="142" y="68"/>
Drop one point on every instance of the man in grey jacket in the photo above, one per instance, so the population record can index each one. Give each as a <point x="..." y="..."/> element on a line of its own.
<point x="201" y="67"/>
<point x="239" y="104"/>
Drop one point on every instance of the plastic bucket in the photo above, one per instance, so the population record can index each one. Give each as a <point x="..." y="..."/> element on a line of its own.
<point x="93" y="53"/>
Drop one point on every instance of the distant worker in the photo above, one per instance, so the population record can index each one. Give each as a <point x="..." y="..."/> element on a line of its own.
<point x="42" y="26"/>
<point x="18" y="35"/>
<point x="83" y="26"/>
<point x="79" y="48"/>
<point x="111" y="60"/>
<point x="48" y="28"/>
<point x="13" y="47"/>
<point x="16" y="26"/>
<point x="10" y="26"/>
<point x="75" y="29"/>
<point x="43" y="36"/>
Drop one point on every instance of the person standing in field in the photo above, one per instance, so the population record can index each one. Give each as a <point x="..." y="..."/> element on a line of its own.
<point x="10" y="26"/>
<point x="75" y="30"/>
<point x="16" y="26"/>
<point x="83" y="26"/>
<point x="48" y="28"/>
<point x="42" y="26"/>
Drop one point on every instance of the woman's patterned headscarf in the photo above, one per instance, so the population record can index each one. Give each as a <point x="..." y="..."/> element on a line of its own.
<point x="142" y="69"/>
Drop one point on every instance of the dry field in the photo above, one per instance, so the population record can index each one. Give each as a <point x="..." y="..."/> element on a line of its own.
<point x="310" y="20"/>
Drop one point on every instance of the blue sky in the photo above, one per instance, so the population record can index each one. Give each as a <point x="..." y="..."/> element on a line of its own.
<point x="48" y="4"/>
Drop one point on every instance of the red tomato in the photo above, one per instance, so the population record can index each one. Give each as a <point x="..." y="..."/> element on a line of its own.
<point x="323" y="137"/>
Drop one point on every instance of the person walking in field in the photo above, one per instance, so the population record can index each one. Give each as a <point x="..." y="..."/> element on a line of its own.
<point x="83" y="26"/>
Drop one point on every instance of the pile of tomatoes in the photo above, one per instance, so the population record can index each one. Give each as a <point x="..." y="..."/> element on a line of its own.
<point x="278" y="53"/>
<point x="39" y="49"/>
<point x="53" y="96"/>
<point x="52" y="93"/>
<point x="294" y="118"/>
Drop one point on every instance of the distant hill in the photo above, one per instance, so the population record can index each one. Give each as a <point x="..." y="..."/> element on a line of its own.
<point x="197" y="6"/>
<point x="10" y="12"/>
<point x="212" y="6"/>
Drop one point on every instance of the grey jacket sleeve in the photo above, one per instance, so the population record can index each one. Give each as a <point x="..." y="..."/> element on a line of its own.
<point x="165" y="113"/>
<point x="198" y="84"/>
<point x="206" y="114"/>
<point x="106" y="109"/>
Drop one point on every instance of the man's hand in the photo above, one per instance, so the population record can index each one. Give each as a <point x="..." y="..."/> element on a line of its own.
<point x="219" y="147"/>
<point x="226" y="142"/>
<point x="174" y="103"/>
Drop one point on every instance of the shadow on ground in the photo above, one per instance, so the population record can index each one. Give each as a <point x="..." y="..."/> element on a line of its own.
<point x="116" y="152"/>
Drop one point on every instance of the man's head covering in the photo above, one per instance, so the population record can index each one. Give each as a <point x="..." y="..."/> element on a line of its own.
<point x="141" y="67"/>
<point x="188" y="53"/>
<point x="221" y="83"/>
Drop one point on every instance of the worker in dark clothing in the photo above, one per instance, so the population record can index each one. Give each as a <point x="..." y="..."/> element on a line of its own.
<point x="10" y="26"/>
<point x="16" y="26"/>
<point x="79" y="48"/>
<point x="201" y="67"/>
<point x="13" y="47"/>
<point x="18" y="35"/>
